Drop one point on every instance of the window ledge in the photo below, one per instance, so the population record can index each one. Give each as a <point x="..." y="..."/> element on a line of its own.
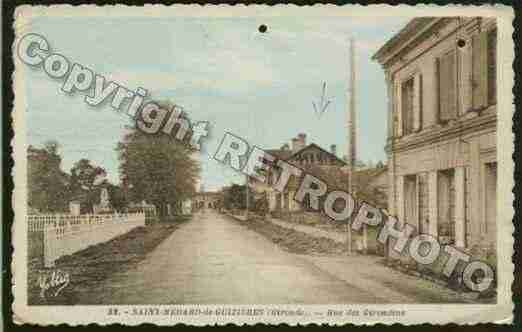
<point x="438" y="132"/>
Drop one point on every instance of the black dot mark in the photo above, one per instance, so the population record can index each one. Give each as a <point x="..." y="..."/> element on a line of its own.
<point x="262" y="28"/>
<point x="461" y="43"/>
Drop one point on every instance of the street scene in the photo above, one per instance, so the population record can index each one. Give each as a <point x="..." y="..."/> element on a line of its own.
<point x="221" y="261"/>
<point x="241" y="166"/>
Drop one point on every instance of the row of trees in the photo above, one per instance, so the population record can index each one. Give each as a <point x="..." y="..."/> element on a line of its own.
<point x="234" y="197"/>
<point x="50" y="189"/>
<point x="157" y="169"/>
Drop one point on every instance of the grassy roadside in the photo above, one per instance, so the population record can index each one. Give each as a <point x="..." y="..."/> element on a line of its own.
<point x="302" y="243"/>
<point x="294" y="241"/>
<point x="88" y="267"/>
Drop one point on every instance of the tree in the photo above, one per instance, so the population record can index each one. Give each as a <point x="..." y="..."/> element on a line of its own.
<point x="157" y="168"/>
<point x="117" y="197"/>
<point x="235" y="197"/>
<point x="46" y="182"/>
<point x="86" y="181"/>
<point x="85" y="175"/>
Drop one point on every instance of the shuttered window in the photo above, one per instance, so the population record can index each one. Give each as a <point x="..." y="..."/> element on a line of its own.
<point x="484" y="69"/>
<point x="422" y="188"/>
<point x="398" y="108"/>
<point x="410" y="199"/>
<point x="446" y="206"/>
<point x="447" y="87"/>
<point x="467" y="200"/>
<point x="490" y="199"/>
<point x="407" y="106"/>
<point x="480" y="71"/>
<point x="492" y="67"/>
<point x="417" y="102"/>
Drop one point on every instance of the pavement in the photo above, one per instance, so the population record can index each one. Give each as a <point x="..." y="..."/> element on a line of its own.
<point x="213" y="259"/>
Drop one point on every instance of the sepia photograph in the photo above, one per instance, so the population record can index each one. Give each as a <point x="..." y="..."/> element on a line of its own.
<point x="233" y="164"/>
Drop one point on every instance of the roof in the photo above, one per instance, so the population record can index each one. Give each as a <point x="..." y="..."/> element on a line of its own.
<point x="400" y="39"/>
<point x="288" y="154"/>
<point x="279" y="153"/>
<point x="368" y="176"/>
<point x="374" y="171"/>
<point x="313" y="145"/>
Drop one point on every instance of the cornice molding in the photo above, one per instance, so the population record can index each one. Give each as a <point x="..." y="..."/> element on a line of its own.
<point x="438" y="134"/>
<point x="412" y="30"/>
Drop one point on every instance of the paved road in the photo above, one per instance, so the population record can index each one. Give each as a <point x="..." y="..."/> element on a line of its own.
<point x="212" y="259"/>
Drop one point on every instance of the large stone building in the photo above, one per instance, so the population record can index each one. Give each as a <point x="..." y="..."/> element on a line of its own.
<point x="442" y="117"/>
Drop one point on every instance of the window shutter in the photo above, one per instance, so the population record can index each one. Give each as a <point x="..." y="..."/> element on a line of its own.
<point x="389" y="90"/>
<point x="398" y="107"/>
<point x="480" y="70"/>
<point x="447" y="89"/>
<point x="492" y="67"/>
<point x="417" y="102"/>
<point x="417" y="220"/>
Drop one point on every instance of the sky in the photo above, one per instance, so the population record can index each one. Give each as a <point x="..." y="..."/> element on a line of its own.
<point x="259" y="86"/>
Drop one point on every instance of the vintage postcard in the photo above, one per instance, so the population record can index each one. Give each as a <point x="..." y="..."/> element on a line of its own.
<point x="262" y="164"/>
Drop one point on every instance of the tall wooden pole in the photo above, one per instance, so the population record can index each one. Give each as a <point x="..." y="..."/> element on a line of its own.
<point x="247" y="196"/>
<point x="352" y="140"/>
<point x="352" y="143"/>
<point x="351" y="135"/>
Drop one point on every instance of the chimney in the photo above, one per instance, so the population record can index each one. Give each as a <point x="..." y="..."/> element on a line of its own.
<point x="295" y="144"/>
<point x="333" y="149"/>
<point x="302" y="139"/>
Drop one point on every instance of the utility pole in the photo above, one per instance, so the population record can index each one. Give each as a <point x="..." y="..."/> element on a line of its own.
<point x="247" y="196"/>
<point x="352" y="144"/>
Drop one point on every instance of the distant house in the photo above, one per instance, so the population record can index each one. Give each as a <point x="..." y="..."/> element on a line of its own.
<point x="206" y="200"/>
<point x="305" y="156"/>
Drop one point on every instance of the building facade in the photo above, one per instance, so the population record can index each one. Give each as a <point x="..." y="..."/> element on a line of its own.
<point x="310" y="157"/>
<point x="442" y="118"/>
<point x="206" y="200"/>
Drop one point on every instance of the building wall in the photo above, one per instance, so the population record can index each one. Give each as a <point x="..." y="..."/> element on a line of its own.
<point x="464" y="147"/>
<point x="207" y="200"/>
<point x="311" y="156"/>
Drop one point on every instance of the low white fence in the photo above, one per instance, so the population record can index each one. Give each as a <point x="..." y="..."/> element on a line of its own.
<point x="65" y="234"/>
